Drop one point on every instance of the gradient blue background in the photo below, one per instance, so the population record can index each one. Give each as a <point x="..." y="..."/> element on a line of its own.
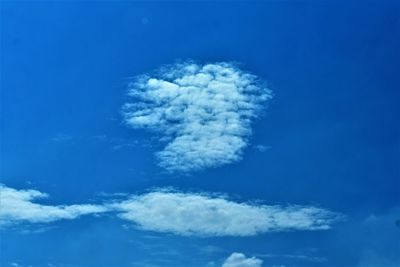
<point x="332" y="129"/>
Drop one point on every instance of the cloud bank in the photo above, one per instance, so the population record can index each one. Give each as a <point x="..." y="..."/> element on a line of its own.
<point x="205" y="215"/>
<point x="240" y="260"/>
<point x="166" y="211"/>
<point x="17" y="206"/>
<point x="203" y="112"/>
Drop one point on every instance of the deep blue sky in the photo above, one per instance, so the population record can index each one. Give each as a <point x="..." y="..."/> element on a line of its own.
<point x="332" y="128"/>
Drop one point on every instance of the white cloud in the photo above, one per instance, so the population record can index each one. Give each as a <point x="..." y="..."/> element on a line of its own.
<point x="205" y="215"/>
<point x="240" y="260"/>
<point x="171" y="212"/>
<point x="17" y="206"/>
<point x="204" y="112"/>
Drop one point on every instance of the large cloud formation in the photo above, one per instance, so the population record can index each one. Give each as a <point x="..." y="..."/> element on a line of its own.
<point x="206" y="215"/>
<point x="167" y="211"/>
<point x="240" y="260"/>
<point x="204" y="112"/>
<point x="17" y="206"/>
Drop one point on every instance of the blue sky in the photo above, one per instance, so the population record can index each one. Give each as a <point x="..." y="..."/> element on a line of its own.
<point x="322" y="152"/>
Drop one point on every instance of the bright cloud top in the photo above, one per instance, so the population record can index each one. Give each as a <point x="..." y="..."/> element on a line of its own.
<point x="204" y="112"/>
<point x="240" y="260"/>
<point x="17" y="206"/>
<point x="205" y="215"/>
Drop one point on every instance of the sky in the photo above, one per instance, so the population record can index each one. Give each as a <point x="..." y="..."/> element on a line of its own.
<point x="200" y="134"/>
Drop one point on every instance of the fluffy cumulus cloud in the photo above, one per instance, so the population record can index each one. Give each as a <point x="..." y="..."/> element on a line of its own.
<point x="206" y="215"/>
<point x="240" y="260"/>
<point x="203" y="112"/>
<point x="18" y="206"/>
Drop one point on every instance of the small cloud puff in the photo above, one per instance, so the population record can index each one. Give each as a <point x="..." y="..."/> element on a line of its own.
<point x="204" y="112"/>
<point x="17" y="206"/>
<point x="262" y="148"/>
<point x="240" y="260"/>
<point x="204" y="215"/>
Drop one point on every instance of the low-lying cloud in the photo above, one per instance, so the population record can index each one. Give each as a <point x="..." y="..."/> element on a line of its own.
<point x="203" y="112"/>
<point x="186" y="214"/>
<point x="205" y="215"/>
<point x="18" y="206"/>
<point x="240" y="260"/>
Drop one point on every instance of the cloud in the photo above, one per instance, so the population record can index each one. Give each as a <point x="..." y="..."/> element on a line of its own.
<point x="262" y="148"/>
<point x="294" y="257"/>
<point x="206" y="215"/>
<point x="167" y="211"/>
<point x="17" y="206"/>
<point x="240" y="260"/>
<point x="62" y="137"/>
<point x="203" y="112"/>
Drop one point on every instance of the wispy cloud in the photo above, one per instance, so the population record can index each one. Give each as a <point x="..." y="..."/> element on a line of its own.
<point x="118" y="143"/>
<point x="204" y="112"/>
<point x="262" y="148"/>
<point x="294" y="257"/>
<point x="18" y="206"/>
<point x="207" y="215"/>
<point x="62" y="137"/>
<point x="240" y="260"/>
